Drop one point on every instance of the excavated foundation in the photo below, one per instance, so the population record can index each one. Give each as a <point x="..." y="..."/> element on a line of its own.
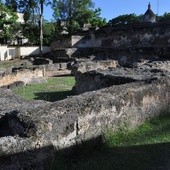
<point x="31" y="132"/>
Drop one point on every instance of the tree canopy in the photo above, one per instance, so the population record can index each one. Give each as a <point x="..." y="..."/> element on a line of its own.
<point x="76" y="13"/>
<point x="125" y="19"/>
<point x="164" y="18"/>
<point x="7" y="17"/>
<point x="12" y="5"/>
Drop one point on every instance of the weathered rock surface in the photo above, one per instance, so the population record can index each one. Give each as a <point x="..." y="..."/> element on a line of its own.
<point x="158" y="65"/>
<point x="10" y="78"/>
<point x="32" y="131"/>
<point x="83" y="67"/>
<point x="98" y="79"/>
<point x="20" y="75"/>
<point x="14" y="85"/>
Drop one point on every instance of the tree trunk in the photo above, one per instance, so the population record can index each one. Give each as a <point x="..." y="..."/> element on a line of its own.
<point x="41" y="29"/>
<point x="70" y="18"/>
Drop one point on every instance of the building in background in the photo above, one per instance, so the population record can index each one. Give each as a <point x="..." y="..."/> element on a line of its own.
<point x="149" y="15"/>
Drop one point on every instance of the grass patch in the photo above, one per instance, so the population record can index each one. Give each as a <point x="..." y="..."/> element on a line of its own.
<point x="155" y="131"/>
<point x="145" y="148"/>
<point x="56" y="88"/>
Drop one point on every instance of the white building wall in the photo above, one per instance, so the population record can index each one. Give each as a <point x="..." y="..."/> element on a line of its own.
<point x="25" y="51"/>
<point x="3" y="52"/>
<point x="9" y="52"/>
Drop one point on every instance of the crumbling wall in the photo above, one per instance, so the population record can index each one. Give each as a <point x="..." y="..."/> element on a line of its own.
<point x="141" y="39"/>
<point x="59" y="44"/>
<point x="95" y="75"/>
<point x="132" y="36"/>
<point x="57" y="69"/>
<point x="82" y="67"/>
<point x="69" y="122"/>
<point x="23" y="75"/>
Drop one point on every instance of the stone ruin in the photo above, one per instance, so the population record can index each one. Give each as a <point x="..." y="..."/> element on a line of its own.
<point x="110" y="94"/>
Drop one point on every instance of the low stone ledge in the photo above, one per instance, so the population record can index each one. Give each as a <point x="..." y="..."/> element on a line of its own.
<point x="97" y="79"/>
<point x="23" y="75"/>
<point x="83" y="67"/>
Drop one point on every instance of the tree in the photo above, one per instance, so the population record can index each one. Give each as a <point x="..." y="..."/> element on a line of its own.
<point x="30" y="7"/>
<point x="7" y="17"/>
<point x="125" y="19"/>
<point x="96" y="20"/>
<point x="164" y="18"/>
<point x="48" y="32"/>
<point x="12" y="5"/>
<point x="31" y="31"/>
<point x="76" y="13"/>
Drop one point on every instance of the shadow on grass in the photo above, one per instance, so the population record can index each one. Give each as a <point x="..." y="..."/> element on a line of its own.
<point x="92" y="155"/>
<point x="99" y="155"/>
<point x="63" y="75"/>
<point x="144" y="157"/>
<point x="53" y="96"/>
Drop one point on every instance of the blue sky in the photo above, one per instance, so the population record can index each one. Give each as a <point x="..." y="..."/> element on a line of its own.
<point x="113" y="8"/>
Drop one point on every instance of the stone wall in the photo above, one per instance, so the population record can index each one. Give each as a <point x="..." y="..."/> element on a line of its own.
<point x="97" y="79"/>
<point x="73" y="120"/>
<point x="21" y="75"/>
<point x="97" y="74"/>
<point x="24" y="75"/>
<point x="141" y="39"/>
<point x="144" y="35"/>
<point x="82" y="67"/>
<point x="57" y="69"/>
<point x="134" y="36"/>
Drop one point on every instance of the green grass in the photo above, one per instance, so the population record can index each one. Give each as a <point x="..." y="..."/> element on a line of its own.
<point x="56" y="88"/>
<point x="145" y="148"/>
<point x="155" y="131"/>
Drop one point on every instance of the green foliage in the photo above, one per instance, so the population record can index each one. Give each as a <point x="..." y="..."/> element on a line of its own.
<point x="48" y="31"/>
<point x="164" y="18"/>
<point x="12" y="5"/>
<point x="8" y="24"/>
<point x="95" y="19"/>
<point x="31" y="31"/>
<point x="125" y="19"/>
<point x="76" y="14"/>
<point x="30" y="10"/>
<point x="55" y="89"/>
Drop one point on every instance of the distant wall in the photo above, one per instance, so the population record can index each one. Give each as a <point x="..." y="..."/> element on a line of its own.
<point x="155" y="36"/>
<point x="65" y="43"/>
<point x="127" y="36"/>
<point x="137" y="36"/>
<point x="12" y="52"/>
